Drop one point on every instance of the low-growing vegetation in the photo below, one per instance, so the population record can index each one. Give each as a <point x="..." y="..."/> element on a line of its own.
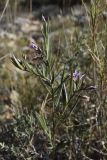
<point x="58" y="92"/>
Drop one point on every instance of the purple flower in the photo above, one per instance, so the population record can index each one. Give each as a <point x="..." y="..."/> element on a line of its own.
<point x="34" y="46"/>
<point x="76" y="75"/>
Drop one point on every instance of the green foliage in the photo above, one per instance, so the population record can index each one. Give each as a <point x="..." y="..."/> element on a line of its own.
<point x="64" y="88"/>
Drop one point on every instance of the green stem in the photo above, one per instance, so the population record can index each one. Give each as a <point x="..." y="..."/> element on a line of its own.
<point x="53" y="129"/>
<point x="53" y="117"/>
